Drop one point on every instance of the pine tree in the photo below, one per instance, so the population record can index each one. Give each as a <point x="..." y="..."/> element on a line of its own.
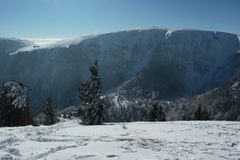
<point x="161" y="115"/>
<point x="156" y="113"/>
<point x="14" y="106"/>
<point x="205" y="115"/>
<point x="200" y="114"/>
<point x="153" y="113"/>
<point x="4" y="110"/>
<point x="49" y="112"/>
<point x="89" y="93"/>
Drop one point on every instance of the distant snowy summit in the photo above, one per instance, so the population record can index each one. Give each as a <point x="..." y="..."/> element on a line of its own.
<point x="41" y="43"/>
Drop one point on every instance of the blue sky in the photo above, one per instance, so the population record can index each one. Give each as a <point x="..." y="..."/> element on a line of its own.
<point x="75" y="18"/>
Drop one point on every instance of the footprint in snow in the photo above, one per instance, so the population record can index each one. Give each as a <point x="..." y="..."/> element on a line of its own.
<point x="85" y="156"/>
<point x="13" y="151"/>
<point x="111" y="156"/>
<point x="6" y="157"/>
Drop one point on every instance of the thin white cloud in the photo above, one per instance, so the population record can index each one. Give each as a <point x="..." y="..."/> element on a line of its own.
<point x="44" y="41"/>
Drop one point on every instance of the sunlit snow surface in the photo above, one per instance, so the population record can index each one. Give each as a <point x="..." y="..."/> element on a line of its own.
<point x="138" y="141"/>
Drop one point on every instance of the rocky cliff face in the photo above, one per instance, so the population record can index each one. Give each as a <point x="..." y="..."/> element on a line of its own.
<point x="172" y="64"/>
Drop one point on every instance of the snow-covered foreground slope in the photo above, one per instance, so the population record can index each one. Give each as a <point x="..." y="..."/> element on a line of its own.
<point x="139" y="140"/>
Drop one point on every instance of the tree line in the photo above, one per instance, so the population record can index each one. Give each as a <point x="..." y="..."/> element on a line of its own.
<point x="14" y="106"/>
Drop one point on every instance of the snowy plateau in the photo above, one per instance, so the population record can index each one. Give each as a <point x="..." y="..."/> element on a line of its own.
<point x="68" y="140"/>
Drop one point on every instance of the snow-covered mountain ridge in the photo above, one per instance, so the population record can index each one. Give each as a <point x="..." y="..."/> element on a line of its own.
<point x="172" y="63"/>
<point x="9" y="45"/>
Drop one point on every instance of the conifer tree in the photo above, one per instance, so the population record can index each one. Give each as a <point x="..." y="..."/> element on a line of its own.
<point x="89" y="93"/>
<point x="14" y="106"/>
<point x="153" y="113"/>
<point x="156" y="113"/>
<point x="49" y="112"/>
<point x="200" y="114"/>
